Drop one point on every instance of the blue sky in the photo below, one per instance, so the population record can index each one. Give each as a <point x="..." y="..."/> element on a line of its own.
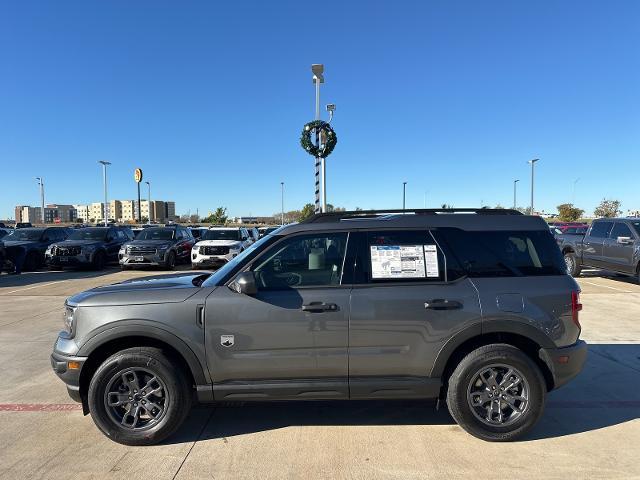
<point x="208" y="98"/>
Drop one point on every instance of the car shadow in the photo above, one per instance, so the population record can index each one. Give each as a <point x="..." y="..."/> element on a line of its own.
<point x="48" y="276"/>
<point x="609" y="275"/>
<point x="597" y="398"/>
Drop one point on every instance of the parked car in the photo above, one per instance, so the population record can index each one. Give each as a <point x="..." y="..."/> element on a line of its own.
<point x="5" y="231"/>
<point x="3" y="256"/>
<point x="32" y="243"/>
<point x="609" y="243"/>
<point x="157" y="246"/>
<point x="473" y="308"/>
<point x="254" y="234"/>
<point x="564" y="227"/>
<point x="197" y="232"/>
<point x="219" y="245"/>
<point x="266" y="230"/>
<point x="24" y="225"/>
<point x="88" y="247"/>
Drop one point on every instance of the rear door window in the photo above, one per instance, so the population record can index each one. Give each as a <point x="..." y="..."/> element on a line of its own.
<point x="504" y="253"/>
<point x="600" y="229"/>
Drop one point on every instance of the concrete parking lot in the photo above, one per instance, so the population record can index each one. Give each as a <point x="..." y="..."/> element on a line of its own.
<point x="590" y="429"/>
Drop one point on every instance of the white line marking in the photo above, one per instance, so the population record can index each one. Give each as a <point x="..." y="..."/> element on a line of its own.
<point x="34" y="286"/>
<point x="606" y="286"/>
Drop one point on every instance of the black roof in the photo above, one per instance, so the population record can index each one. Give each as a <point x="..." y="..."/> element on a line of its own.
<point x="463" y="218"/>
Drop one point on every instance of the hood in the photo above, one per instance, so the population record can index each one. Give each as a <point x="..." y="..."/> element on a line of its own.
<point x="219" y="243"/>
<point x="18" y="243"/>
<point x="161" y="289"/>
<point x="149" y="242"/>
<point x="78" y="243"/>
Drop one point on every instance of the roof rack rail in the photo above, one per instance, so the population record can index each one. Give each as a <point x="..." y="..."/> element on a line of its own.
<point x="357" y="214"/>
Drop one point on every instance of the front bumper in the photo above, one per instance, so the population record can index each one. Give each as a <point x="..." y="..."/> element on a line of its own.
<point x="198" y="260"/>
<point x="64" y="260"/>
<point x="70" y="376"/>
<point x="565" y="362"/>
<point x="132" y="259"/>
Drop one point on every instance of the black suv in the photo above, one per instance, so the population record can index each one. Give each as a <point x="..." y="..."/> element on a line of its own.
<point x="88" y="247"/>
<point x="474" y="308"/>
<point x="28" y="245"/>
<point x="157" y="246"/>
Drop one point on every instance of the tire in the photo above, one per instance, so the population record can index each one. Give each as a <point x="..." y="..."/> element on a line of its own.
<point x="173" y="396"/>
<point x="571" y="262"/>
<point x="99" y="259"/>
<point x="465" y="381"/>
<point x="170" y="263"/>
<point x="31" y="262"/>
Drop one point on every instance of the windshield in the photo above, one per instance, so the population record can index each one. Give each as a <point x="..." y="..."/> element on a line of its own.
<point x="24" y="234"/>
<point x="219" y="275"/>
<point x="221" y="235"/>
<point x="156" y="234"/>
<point x="88" y="234"/>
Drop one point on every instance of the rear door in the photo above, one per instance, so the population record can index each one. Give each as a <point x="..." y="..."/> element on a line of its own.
<point x="619" y="254"/>
<point x="593" y="243"/>
<point x="405" y="305"/>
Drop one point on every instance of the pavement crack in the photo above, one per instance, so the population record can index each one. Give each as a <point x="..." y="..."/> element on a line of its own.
<point x="204" y="426"/>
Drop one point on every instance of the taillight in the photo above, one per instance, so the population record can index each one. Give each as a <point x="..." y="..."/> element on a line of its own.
<point x="576" y="306"/>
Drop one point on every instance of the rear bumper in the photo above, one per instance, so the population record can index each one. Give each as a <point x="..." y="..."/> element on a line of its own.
<point x="566" y="362"/>
<point x="71" y="377"/>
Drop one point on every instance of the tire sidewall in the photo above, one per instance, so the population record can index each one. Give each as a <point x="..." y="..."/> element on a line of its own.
<point x="171" y="260"/>
<point x="178" y="406"/>
<point x="465" y="373"/>
<point x="571" y="265"/>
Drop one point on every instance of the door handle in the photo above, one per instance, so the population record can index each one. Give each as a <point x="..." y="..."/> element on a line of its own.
<point x="442" y="304"/>
<point x="319" y="307"/>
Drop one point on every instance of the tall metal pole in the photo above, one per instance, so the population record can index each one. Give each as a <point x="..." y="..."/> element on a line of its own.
<point x="139" y="209"/>
<point x="282" y="202"/>
<point x="104" y="181"/>
<point x="532" y="162"/>
<point x="404" y="194"/>
<point x="41" y="184"/>
<point x="515" y="202"/>
<point x="149" y="202"/>
<point x="319" y="161"/>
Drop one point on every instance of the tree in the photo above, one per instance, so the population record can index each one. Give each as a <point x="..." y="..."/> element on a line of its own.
<point x="219" y="217"/>
<point x="608" y="208"/>
<point x="446" y="206"/>
<point x="567" y="212"/>
<point x="306" y="212"/>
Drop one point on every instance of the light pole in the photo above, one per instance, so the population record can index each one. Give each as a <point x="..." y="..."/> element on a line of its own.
<point x="282" y="202"/>
<point x="533" y="163"/>
<point x="317" y="69"/>
<point x="104" y="181"/>
<point x="515" y="189"/>
<point x="573" y="193"/>
<point x="148" y="202"/>
<point x="41" y="183"/>
<point x="404" y="194"/>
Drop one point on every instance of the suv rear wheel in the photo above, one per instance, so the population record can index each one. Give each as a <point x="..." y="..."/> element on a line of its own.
<point x="138" y="397"/>
<point x="496" y="393"/>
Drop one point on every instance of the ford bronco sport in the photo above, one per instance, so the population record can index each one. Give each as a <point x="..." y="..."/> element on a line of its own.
<point x="471" y="307"/>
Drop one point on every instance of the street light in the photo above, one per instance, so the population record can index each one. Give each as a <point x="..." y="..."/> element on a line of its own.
<point x="515" y="185"/>
<point x="148" y="202"/>
<point x="404" y="194"/>
<point x="41" y="183"/>
<point x="282" y="202"/>
<point x="104" y="181"/>
<point x="533" y="163"/>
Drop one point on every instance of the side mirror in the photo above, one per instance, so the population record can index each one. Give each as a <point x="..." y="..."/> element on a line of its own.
<point x="625" y="240"/>
<point x="244" y="282"/>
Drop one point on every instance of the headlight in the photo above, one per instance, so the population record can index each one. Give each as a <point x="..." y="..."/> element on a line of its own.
<point x="69" y="317"/>
<point x="163" y="247"/>
<point x="49" y="248"/>
<point x="123" y="249"/>
<point x="196" y="248"/>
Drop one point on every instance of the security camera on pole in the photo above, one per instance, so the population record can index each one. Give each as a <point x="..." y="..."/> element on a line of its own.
<point x="325" y="140"/>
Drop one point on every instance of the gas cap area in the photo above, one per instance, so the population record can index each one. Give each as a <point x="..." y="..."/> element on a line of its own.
<point x="510" y="302"/>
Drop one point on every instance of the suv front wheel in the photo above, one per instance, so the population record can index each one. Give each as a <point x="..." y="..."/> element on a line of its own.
<point x="496" y="393"/>
<point x="137" y="397"/>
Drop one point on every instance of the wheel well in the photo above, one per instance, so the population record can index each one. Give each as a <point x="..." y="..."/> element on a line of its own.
<point x="107" y="349"/>
<point x="528" y="346"/>
<point x="567" y="250"/>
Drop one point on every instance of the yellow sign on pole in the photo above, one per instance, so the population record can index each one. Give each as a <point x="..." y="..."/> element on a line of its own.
<point x="137" y="175"/>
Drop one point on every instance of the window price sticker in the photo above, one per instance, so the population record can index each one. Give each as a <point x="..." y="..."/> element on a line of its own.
<point x="431" y="261"/>
<point x="397" y="261"/>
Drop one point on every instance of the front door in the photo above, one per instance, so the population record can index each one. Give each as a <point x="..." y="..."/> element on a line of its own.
<point x="290" y="339"/>
<point x="404" y="307"/>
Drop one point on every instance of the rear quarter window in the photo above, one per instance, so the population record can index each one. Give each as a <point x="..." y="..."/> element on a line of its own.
<point x="504" y="253"/>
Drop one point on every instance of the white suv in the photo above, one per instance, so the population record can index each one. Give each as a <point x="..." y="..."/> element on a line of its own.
<point x="218" y="245"/>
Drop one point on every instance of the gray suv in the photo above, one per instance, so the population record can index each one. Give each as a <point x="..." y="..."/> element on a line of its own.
<point x="473" y="308"/>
